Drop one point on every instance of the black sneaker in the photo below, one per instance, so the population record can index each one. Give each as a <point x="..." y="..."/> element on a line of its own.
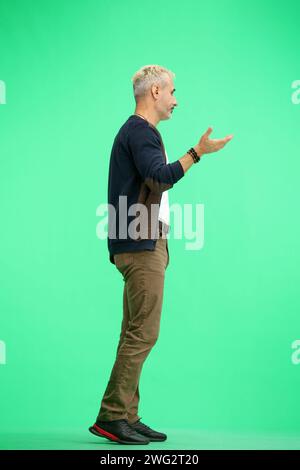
<point x="118" y="431"/>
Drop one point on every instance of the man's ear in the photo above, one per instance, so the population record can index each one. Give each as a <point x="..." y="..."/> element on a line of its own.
<point x="154" y="90"/>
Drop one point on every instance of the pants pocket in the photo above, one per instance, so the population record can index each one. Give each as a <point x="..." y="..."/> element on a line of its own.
<point x="122" y="260"/>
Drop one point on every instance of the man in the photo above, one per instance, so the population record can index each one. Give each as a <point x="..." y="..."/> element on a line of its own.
<point x="139" y="177"/>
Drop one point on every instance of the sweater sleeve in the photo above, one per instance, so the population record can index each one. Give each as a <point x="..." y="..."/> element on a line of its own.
<point x="148" y="157"/>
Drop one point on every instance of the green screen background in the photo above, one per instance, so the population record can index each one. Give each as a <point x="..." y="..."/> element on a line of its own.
<point x="231" y="310"/>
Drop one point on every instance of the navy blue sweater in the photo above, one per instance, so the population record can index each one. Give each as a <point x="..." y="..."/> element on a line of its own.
<point x="138" y="171"/>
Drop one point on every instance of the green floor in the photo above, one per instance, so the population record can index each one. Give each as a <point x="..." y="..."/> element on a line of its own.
<point x="183" y="439"/>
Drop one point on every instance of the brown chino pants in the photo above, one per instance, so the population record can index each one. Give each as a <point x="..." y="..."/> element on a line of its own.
<point x="143" y="275"/>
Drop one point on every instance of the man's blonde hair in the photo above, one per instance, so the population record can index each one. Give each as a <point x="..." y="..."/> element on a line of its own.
<point x="146" y="76"/>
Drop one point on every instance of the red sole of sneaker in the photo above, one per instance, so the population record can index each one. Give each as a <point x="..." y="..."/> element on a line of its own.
<point x="102" y="433"/>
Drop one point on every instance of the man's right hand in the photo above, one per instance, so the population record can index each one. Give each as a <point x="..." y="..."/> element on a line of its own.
<point x="206" y="145"/>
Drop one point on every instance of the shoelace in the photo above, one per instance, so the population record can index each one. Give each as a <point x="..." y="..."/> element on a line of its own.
<point x="126" y="427"/>
<point x="141" y="425"/>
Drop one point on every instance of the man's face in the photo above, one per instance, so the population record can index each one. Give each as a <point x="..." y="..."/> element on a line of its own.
<point x="166" y="101"/>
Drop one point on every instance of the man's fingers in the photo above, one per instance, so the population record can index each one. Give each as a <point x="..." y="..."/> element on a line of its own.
<point x="222" y="141"/>
<point x="208" y="132"/>
<point x="227" y="138"/>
